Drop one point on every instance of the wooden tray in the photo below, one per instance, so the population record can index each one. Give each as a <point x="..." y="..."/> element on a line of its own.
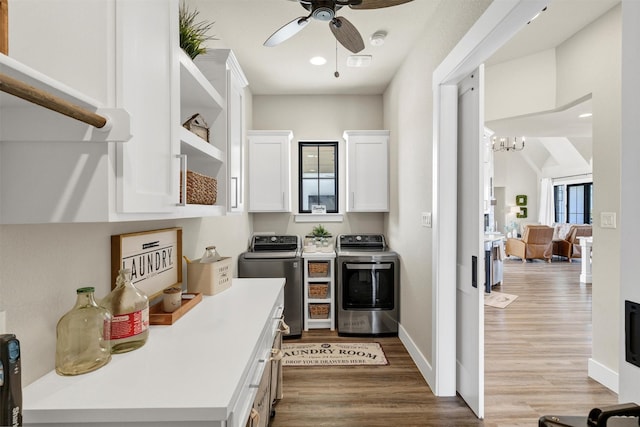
<point x="159" y="317"/>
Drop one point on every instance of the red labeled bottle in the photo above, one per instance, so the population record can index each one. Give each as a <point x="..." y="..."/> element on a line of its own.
<point x="129" y="308"/>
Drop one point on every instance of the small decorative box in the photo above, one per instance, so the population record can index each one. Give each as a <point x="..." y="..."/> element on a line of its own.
<point x="197" y="125"/>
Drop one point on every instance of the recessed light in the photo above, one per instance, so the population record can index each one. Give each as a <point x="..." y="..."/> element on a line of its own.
<point x="359" y="60"/>
<point x="585" y="115"/>
<point x="318" y="60"/>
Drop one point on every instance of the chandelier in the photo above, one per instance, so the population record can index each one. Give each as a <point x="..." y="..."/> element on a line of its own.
<point x="507" y="144"/>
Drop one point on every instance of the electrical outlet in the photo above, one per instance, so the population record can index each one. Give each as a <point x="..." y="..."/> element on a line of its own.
<point x="426" y="219"/>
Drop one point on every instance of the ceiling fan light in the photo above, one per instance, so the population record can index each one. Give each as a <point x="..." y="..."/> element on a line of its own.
<point x="358" y="61"/>
<point x="378" y="38"/>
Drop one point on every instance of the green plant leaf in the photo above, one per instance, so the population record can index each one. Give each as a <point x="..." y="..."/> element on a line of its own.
<point x="193" y="33"/>
<point x="320" y="231"/>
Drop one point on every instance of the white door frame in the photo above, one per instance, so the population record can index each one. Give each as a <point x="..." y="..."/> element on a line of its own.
<point x="500" y="22"/>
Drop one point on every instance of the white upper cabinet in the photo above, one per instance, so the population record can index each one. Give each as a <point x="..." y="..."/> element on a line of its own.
<point x="125" y="55"/>
<point x="222" y="69"/>
<point x="367" y="170"/>
<point x="270" y="171"/>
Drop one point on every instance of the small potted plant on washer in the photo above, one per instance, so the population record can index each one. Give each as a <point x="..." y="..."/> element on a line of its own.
<point x="321" y="235"/>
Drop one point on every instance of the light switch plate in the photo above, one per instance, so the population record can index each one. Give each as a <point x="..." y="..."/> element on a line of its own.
<point x="426" y="219"/>
<point x="608" y="219"/>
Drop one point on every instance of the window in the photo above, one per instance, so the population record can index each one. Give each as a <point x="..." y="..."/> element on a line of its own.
<point x="318" y="179"/>
<point x="574" y="203"/>
<point x="559" y="203"/>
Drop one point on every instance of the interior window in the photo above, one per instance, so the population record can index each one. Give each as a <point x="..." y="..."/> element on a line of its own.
<point x="318" y="179"/>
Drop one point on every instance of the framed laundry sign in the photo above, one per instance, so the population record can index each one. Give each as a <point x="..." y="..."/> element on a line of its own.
<point x="154" y="257"/>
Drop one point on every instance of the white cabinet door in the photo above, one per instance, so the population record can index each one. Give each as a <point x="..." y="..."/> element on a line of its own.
<point x="367" y="171"/>
<point x="146" y="70"/>
<point x="270" y="171"/>
<point x="220" y="67"/>
<point x="235" y="117"/>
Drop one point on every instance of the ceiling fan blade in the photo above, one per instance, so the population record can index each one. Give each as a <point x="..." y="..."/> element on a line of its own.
<point x="347" y="34"/>
<point x="287" y="31"/>
<point x="378" y="4"/>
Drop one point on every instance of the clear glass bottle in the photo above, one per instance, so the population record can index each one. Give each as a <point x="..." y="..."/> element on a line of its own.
<point x="210" y="255"/>
<point x="82" y="336"/>
<point x="129" y="308"/>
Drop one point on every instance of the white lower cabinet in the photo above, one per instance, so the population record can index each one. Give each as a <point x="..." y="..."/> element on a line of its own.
<point x="269" y="388"/>
<point x="367" y="170"/>
<point x="210" y="368"/>
<point x="270" y="171"/>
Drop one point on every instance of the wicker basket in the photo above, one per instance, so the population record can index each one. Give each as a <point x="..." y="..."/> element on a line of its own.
<point x="201" y="189"/>
<point x="318" y="269"/>
<point x="319" y="311"/>
<point x="318" y="290"/>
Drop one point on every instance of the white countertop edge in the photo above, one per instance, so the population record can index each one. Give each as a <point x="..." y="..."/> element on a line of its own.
<point x="125" y="415"/>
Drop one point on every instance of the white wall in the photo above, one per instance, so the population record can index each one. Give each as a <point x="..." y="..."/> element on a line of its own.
<point x="512" y="172"/>
<point x="507" y="96"/>
<point x="589" y="62"/>
<point x="630" y="176"/>
<point x="317" y="118"/>
<point x="408" y="114"/>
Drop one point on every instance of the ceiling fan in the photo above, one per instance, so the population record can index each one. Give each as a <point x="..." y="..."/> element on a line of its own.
<point x="325" y="10"/>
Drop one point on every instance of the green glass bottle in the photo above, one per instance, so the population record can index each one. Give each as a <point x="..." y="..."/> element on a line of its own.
<point x="82" y="336"/>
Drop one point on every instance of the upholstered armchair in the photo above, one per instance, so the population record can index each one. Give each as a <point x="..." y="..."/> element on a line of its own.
<point x="569" y="247"/>
<point x="534" y="244"/>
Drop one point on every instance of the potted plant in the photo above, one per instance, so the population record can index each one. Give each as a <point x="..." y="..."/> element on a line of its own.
<point x="320" y="235"/>
<point x="320" y="231"/>
<point x="193" y="33"/>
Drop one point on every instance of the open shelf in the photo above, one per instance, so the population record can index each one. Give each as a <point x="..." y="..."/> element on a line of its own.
<point x="192" y="145"/>
<point x="196" y="90"/>
<point x="319" y="259"/>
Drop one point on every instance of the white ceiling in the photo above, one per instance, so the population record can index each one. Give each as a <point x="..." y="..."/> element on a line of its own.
<point x="561" y="122"/>
<point x="243" y="26"/>
<point x="561" y="20"/>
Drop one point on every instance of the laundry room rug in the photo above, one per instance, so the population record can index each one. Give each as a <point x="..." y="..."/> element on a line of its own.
<point x="333" y="354"/>
<point x="499" y="299"/>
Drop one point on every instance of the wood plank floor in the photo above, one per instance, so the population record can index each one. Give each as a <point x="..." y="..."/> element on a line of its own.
<point x="536" y="363"/>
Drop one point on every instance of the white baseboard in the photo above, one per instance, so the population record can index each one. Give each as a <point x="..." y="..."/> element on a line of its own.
<point x="418" y="358"/>
<point x="603" y="375"/>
